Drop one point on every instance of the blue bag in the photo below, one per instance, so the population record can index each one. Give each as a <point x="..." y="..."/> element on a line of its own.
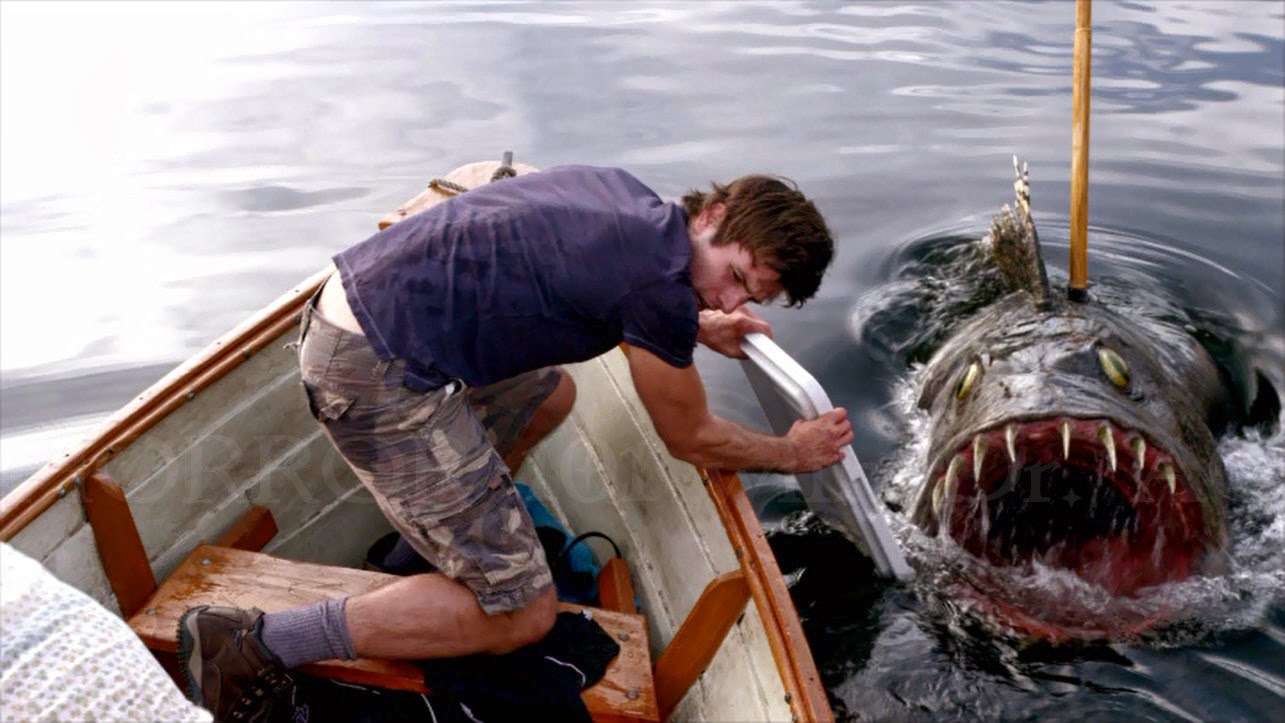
<point x="575" y="574"/>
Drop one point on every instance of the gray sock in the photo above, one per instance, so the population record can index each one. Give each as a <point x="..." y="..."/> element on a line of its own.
<point x="307" y="634"/>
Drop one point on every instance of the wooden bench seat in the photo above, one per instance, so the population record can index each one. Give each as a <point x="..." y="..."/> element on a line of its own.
<point x="214" y="575"/>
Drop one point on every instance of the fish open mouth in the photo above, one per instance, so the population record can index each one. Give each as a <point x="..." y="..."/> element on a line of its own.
<point x="1079" y="494"/>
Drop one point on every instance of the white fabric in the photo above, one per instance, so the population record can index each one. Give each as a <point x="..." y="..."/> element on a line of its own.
<point x="64" y="657"/>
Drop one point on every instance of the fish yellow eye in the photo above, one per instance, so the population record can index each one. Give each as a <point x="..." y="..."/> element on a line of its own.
<point x="966" y="382"/>
<point x="1114" y="367"/>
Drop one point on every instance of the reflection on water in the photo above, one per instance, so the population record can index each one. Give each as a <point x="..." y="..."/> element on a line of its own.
<point x="167" y="169"/>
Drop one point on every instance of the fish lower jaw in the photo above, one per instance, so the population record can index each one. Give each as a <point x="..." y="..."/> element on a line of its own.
<point x="1080" y="494"/>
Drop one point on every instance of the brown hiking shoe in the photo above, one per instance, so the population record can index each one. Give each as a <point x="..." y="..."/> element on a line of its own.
<point x="228" y="670"/>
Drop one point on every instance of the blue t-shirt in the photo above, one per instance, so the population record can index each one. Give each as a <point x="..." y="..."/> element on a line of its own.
<point x="547" y="268"/>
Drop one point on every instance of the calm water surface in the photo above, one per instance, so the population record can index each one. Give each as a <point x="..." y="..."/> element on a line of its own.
<point x="168" y="169"/>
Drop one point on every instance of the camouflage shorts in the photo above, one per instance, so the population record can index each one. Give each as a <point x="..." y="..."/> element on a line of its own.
<point x="433" y="460"/>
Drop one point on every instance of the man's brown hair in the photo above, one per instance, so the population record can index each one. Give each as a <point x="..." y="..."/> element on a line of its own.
<point x="771" y="218"/>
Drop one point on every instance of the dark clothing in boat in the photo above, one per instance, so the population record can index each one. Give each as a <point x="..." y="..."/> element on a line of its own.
<point x="534" y="271"/>
<point x="540" y="682"/>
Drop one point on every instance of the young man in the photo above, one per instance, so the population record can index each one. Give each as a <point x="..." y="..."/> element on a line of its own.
<point x="430" y="360"/>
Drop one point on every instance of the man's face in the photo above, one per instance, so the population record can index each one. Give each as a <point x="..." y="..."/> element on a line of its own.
<point x="726" y="276"/>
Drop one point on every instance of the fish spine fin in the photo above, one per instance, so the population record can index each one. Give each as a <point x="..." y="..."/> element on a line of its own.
<point x="1016" y="244"/>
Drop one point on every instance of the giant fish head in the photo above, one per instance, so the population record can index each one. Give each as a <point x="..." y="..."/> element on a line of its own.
<point x="1072" y="434"/>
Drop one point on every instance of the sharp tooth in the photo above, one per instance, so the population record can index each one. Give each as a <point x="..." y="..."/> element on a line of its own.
<point x="1065" y="426"/>
<point x="941" y="493"/>
<point x="953" y="471"/>
<point x="1171" y="477"/>
<point x="1108" y="441"/>
<point x="1139" y="453"/>
<point x="979" y="453"/>
<point x="1010" y="441"/>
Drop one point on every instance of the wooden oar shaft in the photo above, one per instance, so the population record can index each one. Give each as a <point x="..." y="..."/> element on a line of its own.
<point x="1080" y="152"/>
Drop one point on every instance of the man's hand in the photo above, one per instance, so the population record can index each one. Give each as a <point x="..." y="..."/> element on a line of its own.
<point x="820" y="442"/>
<point x="722" y="332"/>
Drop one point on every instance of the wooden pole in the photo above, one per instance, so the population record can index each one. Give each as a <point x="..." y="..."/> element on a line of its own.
<point x="1078" y="288"/>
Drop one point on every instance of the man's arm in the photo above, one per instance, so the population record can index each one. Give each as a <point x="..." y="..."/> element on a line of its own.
<point x="675" y="399"/>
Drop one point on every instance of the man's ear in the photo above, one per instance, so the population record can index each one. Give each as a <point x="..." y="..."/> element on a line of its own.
<point x="711" y="216"/>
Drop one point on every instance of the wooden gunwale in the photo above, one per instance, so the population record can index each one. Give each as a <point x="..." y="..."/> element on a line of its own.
<point x="806" y="694"/>
<point x="40" y="491"/>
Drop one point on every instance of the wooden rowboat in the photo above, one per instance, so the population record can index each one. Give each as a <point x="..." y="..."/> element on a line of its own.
<point x="222" y="450"/>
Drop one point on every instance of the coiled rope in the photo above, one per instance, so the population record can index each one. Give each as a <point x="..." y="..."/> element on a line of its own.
<point x="451" y="188"/>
